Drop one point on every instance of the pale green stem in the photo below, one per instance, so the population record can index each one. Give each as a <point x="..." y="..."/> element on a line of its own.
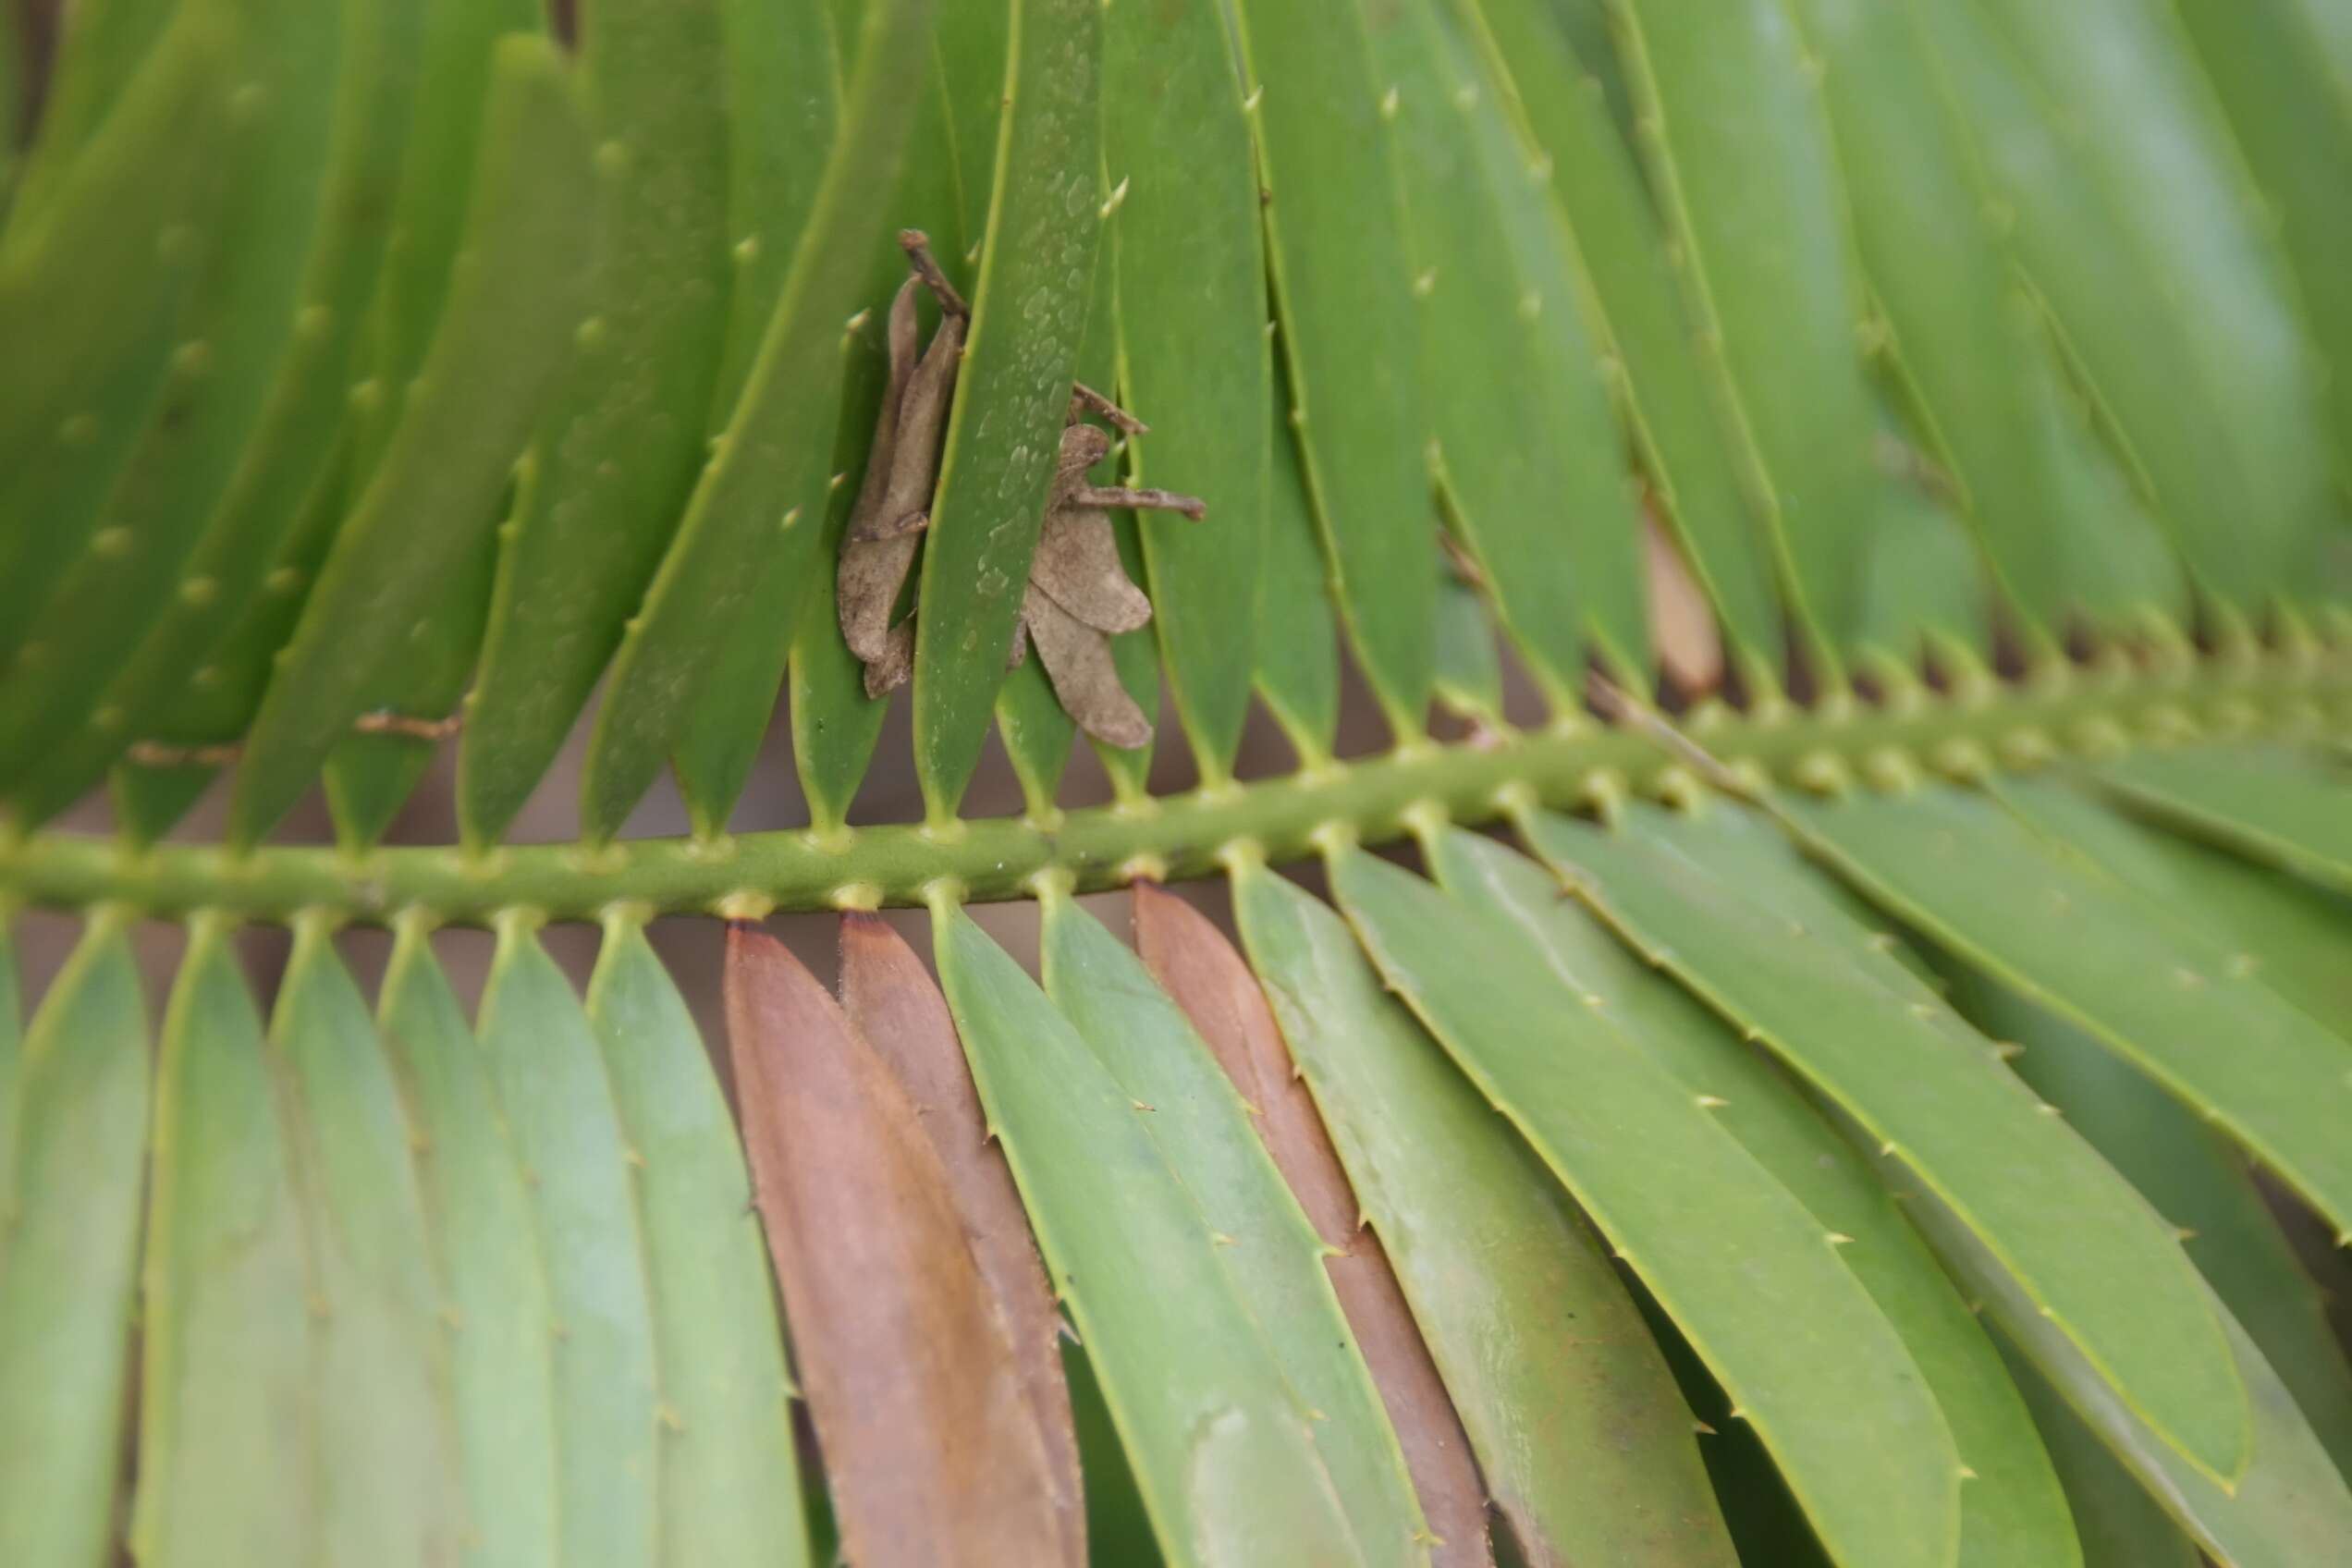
<point x="1983" y="728"/>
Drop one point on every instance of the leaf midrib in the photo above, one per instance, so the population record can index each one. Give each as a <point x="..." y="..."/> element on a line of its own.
<point x="2085" y="712"/>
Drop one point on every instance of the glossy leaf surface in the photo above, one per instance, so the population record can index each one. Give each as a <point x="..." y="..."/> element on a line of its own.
<point x="1639" y="1152"/>
<point x="1585" y="1444"/>
<point x="2010" y="1509"/>
<point x="1937" y="1100"/>
<point x="2152" y="987"/>
<point x="1223" y="1453"/>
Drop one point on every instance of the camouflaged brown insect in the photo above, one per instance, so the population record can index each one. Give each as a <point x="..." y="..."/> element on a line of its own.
<point x="1078" y="595"/>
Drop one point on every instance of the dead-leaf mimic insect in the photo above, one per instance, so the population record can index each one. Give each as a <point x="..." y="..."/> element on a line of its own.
<point x="1078" y="595"/>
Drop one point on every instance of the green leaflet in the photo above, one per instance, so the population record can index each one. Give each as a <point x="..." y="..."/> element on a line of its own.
<point x="2296" y="931"/>
<point x="2147" y="984"/>
<point x="1466" y="674"/>
<point x="2011" y="1511"/>
<point x="226" y="1473"/>
<point x="1586" y="1447"/>
<point x="2115" y="560"/>
<point x="784" y="74"/>
<point x="754" y="510"/>
<point x="1751" y="1278"/>
<point x="1526" y="444"/>
<point x="2099" y="143"/>
<point x="69" y="1256"/>
<point x="1035" y="728"/>
<point x="547" y="1067"/>
<point x="623" y="442"/>
<point x="1740" y="932"/>
<point x="1221" y="1450"/>
<point x="1966" y="339"/>
<point x="970" y="50"/>
<point x="1749" y="850"/>
<point x="2290" y="1507"/>
<point x="2294" y="130"/>
<point x="1266" y="1248"/>
<point x="1675" y="414"/>
<point x="1923" y="587"/>
<point x="1733" y="126"/>
<point x="1029" y="310"/>
<point x="783" y="87"/>
<point x="2331" y="32"/>
<point x="147" y="801"/>
<point x="1765" y="1523"/>
<point x="729" y="1483"/>
<point x="1344" y="293"/>
<point x="1136" y="654"/>
<point x="2197" y="1182"/>
<point x="1207" y="977"/>
<point x="99" y="49"/>
<point x="16" y="88"/>
<point x="2120" y="1524"/>
<point x="1757" y="853"/>
<point x="480" y="1224"/>
<point x="1585" y="28"/>
<point x="1037" y="734"/>
<point x="2277" y="806"/>
<point x="234" y="332"/>
<point x="368" y="776"/>
<point x="835" y="726"/>
<point x="1297" y="661"/>
<point x="11" y="1062"/>
<point x="367" y="238"/>
<point x="1189" y="282"/>
<point x="91" y="283"/>
<point x="381" y="1429"/>
<point x="1597" y="502"/>
<point x="217" y="699"/>
<point x="428" y="216"/>
<point x="517" y="292"/>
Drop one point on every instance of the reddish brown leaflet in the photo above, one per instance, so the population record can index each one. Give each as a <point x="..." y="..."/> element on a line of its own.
<point x="1192" y="958"/>
<point x="893" y="1002"/>
<point x="932" y="1444"/>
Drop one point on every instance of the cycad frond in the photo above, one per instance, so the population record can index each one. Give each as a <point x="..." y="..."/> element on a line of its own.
<point x="1852" y="496"/>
